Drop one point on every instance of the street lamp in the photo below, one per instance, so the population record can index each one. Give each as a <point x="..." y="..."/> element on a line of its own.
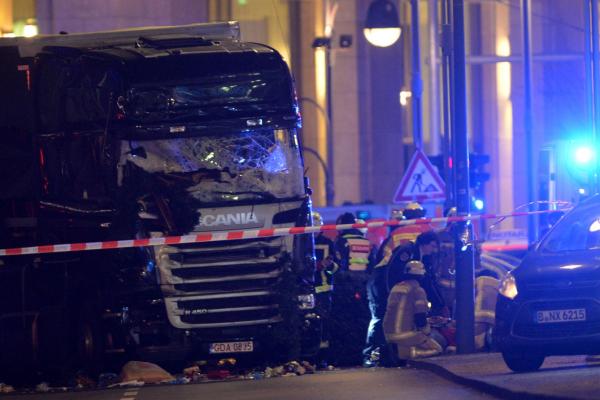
<point x="382" y="28"/>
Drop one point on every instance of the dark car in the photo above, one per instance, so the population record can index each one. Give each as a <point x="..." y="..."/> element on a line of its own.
<point x="550" y="304"/>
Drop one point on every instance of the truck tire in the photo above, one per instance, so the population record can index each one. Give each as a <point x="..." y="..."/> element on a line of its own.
<point x="89" y="341"/>
<point x="520" y="362"/>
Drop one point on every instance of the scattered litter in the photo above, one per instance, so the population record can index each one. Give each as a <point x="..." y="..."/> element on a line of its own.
<point x="145" y="372"/>
<point x="218" y="374"/>
<point x="4" y="388"/>
<point x="107" y="379"/>
<point x="182" y="380"/>
<point x="268" y="372"/>
<point x="258" y="375"/>
<point x="83" y="381"/>
<point x="310" y="369"/>
<point x="191" y="371"/>
<point x="138" y="373"/>
<point x="42" y="387"/>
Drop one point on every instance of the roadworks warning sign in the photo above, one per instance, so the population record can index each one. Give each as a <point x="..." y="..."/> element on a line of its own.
<point x="420" y="182"/>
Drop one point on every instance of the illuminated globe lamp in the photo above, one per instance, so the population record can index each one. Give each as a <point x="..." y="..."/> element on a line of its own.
<point x="382" y="28"/>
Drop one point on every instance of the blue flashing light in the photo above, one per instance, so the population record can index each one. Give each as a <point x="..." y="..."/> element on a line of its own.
<point x="584" y="155"/>
<point x="150" y="267"/>
<point x="478" y="204"/>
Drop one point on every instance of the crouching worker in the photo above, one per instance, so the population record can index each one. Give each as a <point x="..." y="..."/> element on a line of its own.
<point x="405" y="323"/>
<point x="486" y="289"/>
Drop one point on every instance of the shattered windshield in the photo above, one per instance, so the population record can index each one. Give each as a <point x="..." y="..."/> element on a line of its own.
<point x="251" y="165"/>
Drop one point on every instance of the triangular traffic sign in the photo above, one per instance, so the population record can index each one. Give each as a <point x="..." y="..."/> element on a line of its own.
<point x="420" y="182"/>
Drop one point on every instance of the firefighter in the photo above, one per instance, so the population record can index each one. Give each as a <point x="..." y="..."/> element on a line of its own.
<point x="375" y="349"/>
<point x="352" y="249"/>
<point x="384" y="277"/>
<point x="350" y="314"/>
<point x="405" y="323"/>
<point x="327" y="266"/>
<point x="404" y="233"/>
<point x="486" y="294"/>
<point x="425" y="249"/>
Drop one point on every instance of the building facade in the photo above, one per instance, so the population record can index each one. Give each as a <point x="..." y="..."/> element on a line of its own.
<point x="363" y="141"/>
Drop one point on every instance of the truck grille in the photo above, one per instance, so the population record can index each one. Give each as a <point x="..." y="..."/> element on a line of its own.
<point x="221" y="284"/>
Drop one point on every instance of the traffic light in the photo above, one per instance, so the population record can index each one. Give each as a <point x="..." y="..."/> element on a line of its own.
<point x="477" y="176"/>
<point x="438" y="162"/>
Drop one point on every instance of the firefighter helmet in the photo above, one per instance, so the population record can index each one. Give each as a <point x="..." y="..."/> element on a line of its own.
<point x="413" y="210"/>
<point x="317" y="219"/>
<point x="415" y="267"/>
<point x="363" y="230"/>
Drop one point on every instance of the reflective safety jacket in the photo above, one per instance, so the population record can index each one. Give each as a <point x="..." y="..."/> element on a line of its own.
<point x="398" y="237"/>
<point x="353" y="251"/>
<point x="486" y="294"/>
<point x="406" y="312"/>
<point x="327" y="265"/>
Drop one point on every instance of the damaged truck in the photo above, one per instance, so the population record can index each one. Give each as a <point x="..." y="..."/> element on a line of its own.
<point x="140" y="133"/>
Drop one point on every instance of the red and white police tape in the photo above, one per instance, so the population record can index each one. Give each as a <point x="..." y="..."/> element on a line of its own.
<point x="202" y="237"/>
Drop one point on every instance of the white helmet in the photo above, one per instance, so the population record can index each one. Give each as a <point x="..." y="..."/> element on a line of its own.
<point x="415" y="267"/>
<point x="362" y="230"/>
<point x="317" y="219"/>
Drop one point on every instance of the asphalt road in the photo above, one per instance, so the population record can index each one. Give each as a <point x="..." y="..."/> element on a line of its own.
<point x="565" y="377"/>
<point x="363" y="384"/>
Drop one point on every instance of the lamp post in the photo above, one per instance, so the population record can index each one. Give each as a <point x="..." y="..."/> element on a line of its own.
<point x="380" y="17"/>
<point x="382" y="29"/>
<point x="324" y="42"/>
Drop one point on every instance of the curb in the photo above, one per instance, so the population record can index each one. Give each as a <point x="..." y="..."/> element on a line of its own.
<point x="481" y="386"/>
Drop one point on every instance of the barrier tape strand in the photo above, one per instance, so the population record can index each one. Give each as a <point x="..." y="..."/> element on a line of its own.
<point x="218" y="236"/>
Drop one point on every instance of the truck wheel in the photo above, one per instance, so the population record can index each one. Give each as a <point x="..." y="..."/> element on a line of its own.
<point x="89" y="341"/>
<point x="519" y="362"/>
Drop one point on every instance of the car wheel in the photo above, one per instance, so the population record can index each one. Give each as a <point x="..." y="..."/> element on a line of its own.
<point x="523" y="362"/>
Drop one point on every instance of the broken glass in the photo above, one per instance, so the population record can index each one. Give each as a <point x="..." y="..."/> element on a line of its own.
<point x="260" y="164"/>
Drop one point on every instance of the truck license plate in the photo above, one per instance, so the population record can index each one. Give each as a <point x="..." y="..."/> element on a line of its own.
<point x="549" y="316"/>
<point x="231" y="347"/>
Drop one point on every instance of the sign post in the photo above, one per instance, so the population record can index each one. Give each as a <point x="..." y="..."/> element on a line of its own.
<point x="465" y="318"/>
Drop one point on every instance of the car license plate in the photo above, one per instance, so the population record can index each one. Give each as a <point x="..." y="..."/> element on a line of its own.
<point x="231" y="347"/>
<point x="550" y="316"/>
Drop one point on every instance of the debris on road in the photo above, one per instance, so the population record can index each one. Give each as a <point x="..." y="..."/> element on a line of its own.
<point x="42" y="387"/>
<point x="139" y="373"/>
<point x="145" y="372"/>
<point x="4" y="388"/>
<point x="107" y="379"/>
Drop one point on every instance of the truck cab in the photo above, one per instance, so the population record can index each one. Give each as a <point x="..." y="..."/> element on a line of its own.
<point x="146" y="133"/>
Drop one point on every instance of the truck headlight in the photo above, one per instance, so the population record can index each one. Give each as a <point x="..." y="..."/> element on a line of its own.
<point x="306" y="301"/>
<point x="508" y="287"/>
